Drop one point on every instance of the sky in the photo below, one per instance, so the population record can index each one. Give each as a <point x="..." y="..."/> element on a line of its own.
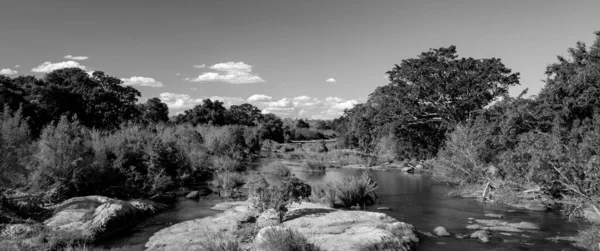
<point x="299" y="59"/>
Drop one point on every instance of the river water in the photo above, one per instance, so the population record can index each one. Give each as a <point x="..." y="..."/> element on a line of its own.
<point x="413" y="198"/>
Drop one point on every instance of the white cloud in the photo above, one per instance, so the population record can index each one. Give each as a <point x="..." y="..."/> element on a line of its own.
<point x="302" y="98"/>
<point x="303" y="106"/>
<point x="230" y="72"/>
<point x="142" y="81"/>
<point x="8" y="71"/>
<point x="177" y="101"/>
<point x="330" y="80"/>
<point x="259" y="98"/>
<point x="228" y="101"/>
<point x="76" y="57"/>
<point x="177" y="74"/>
<point x="17" y="66"/>
<point x="199" y="65"/>
<point x="49" y="66"/>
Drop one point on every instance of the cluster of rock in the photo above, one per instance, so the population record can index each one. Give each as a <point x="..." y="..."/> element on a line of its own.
<point x="82" y="219"/>
<point x="322" y="226"/>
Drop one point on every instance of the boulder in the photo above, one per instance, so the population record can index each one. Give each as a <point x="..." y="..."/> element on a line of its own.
<point x="497" y="216"/>
<point x="331" y="229"/>
<point x="224" y="206"/>
<point x="408" y="169"/>
<point x="482" y="235"/>
<point x="92" y="218"/>
<point x="193" y="234"/>
<point x="384" y="208"/>
<point x="441" y="231"/>
<point x="268" y="218"/>
<point x="193" y="195"/>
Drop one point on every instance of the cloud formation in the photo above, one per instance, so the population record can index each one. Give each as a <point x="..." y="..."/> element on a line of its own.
<point x="142" y="81"/>
<point x="49" y="66"/>
<point x="199" y="65"/>
<point x="330" y="80"/>
<point x="230" y="72"/>
<point x="259" y="97"/>
<point x="8" y="71"/>
<point x="17" y="66"/>
<point x="76" y="57"/>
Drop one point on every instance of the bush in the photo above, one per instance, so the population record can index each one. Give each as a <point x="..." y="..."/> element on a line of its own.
<point x="228" y="180"/>
<point x="278" y="197"/>
<point x="313" y="166"/>
<point x="15" y="148"/>
<point x="588" y="238"/>
<point x="277" y="239"/>
<point x="279" y="169"/>
<point x="225" y="141"/>
<point x="349" y="191"/>
<point x="64" y="160"/>
<point x="218" y="241"/>
<point x="226" y="164"/>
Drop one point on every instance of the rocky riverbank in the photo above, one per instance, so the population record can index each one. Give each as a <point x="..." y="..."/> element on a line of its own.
<point x="322" y="226"/>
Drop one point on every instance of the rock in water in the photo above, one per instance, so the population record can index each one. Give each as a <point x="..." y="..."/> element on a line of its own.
<point x="497" y="216"/>
<point x="441" y="231"/>
<point x="193" y="195"/>
<point x="482" y="235"/>
<point x="92" y="218"/>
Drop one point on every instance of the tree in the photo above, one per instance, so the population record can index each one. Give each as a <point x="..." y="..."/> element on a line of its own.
<point x="244" y="114"/>
<point x="154" y="111"/>
<point x="426" y="97"/>
<point x="300" y="123"/>
<point x="211" y="113"/>
<point x="271" y="127"/>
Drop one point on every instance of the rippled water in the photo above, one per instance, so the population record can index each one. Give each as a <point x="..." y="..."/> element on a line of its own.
<point x="413" y="198"/>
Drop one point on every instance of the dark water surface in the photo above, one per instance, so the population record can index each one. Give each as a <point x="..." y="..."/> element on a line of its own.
<point x="413" y="198"/>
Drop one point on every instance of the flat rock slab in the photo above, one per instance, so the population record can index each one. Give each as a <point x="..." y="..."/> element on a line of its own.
<point x="503" y="226"/>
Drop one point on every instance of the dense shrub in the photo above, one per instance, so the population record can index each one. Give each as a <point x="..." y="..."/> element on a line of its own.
<point x="277" y="197"/>
<point x="228" y="180"/>
<point x="64" y="158"/>
<point x="15" y="148"/>
<point x="313" y="166"/>
<point x="347" y="192"/>
<point x="279" y="169"/>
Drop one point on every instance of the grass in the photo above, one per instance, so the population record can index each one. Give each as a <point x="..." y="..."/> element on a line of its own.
<point x="219" y="241"/>
<point x="313" y="166"/>
<point x="589" y="238"/>
<point x="277" y="239"/>
<point x="228" y="180"/>
<point x="348" y="192"/>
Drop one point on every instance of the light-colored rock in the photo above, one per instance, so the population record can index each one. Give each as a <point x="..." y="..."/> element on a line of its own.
<point x="441" y="231"/>
<point x="482" y="235"/>
<point x="503" y="226"/>
<point x="492" y="215"/>
<point x="591" y="215"/>
<point x="193" y="195"/>
<point x="190" y="235"/>
<point x="408" y="169"/>
<point x="384" y="208"/>
<point x="92" y="218"/>
<point x="352" y="230"/>
<point x="268" y="218"/>
<point x="224" y="206"/>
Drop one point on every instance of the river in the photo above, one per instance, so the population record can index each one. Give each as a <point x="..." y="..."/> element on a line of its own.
<point x="413" y="198"/>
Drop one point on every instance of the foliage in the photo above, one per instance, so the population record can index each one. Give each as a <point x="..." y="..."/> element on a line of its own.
<point x="426" y="97"/>
<point x="154" y="111"/>
<point x="347" y="192"/>
<point x="15" y="148"/>
<point x="276" y="239"/>
<point x="63" y="161"/>
<point x="588" y="238"/>
<point x="279" y="169"/>
<point x="277" y="197"/>
<point x="228" y="180"/>
<point x="313" y="166"/>
<point x="271" y="127"/>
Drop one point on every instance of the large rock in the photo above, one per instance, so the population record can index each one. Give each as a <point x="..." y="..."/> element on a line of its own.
<point x="92" y="218"/>
<point x="267" y="218"/>
<point x="482" y="235"/>
<point x="192" y="234"/>
<point x="351" y="230"/>
<point x="441" y="231"/>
